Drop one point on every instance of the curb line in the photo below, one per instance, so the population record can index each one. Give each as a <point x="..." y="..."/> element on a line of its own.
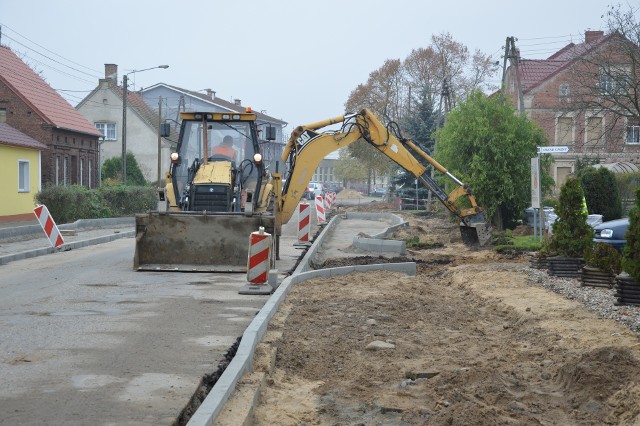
<point x="67" y="246"/>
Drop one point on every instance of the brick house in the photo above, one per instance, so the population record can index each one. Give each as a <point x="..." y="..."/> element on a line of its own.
<point x="566" y="95"/>
<point x="29" y="105"/>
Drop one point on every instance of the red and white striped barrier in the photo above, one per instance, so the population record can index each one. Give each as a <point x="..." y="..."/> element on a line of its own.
<point x="259" y="260"/>
<point x="329" y="198"/>
<point x="320" y="210"/>
<point x="304" y="222"/>
<point x="49" y="226"/>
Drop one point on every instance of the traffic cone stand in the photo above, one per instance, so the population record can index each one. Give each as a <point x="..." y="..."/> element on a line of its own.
<point x="48" y="226"/>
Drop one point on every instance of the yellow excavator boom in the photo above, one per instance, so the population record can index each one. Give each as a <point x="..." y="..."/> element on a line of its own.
<point x="307" y="147"/>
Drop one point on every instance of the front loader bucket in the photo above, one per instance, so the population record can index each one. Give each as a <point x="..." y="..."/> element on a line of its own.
<point x="475" y="230"/>
<point x="195" y="242"/>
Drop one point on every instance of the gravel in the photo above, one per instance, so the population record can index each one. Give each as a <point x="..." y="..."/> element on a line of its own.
<point x="597" y="299"/>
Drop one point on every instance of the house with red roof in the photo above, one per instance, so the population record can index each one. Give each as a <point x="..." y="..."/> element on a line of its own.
<point x="20" y="159"/>
<point x="30" y="106"/>
<point x="569" y="95"/>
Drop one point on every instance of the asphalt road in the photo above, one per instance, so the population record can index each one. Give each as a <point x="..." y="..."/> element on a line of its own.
<point x="86" y="340"/>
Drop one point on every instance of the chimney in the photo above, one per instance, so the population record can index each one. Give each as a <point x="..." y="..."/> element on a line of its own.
<point x="237" y="102"/>
<point x="211" y="93"/>
<point x="111" y="72"/>
<point x="591" y="36"/>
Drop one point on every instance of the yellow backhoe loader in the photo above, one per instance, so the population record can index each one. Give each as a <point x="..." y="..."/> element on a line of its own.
<point x="212" y="203"/>
<point x="217" y="192"/>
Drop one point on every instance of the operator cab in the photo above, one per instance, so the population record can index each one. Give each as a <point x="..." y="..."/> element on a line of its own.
<point x="229" y="137"/>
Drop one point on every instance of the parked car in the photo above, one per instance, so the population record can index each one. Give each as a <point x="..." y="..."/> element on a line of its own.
<point x="378" y="192"/>
<point x="612" y="232"/>
<point x="313" y="190"/>
<point x="332" y="188"/>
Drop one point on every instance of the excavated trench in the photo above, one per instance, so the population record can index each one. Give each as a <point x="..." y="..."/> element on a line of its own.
<point x="209" y="380"/>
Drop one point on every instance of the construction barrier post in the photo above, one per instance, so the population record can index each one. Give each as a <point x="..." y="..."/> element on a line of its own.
<point x="48" y="226"/>
<point x="304" y="223"/>
<point x="329" y="197"/>
<point x="320" y="211"/>
<point x="258" y="263"/>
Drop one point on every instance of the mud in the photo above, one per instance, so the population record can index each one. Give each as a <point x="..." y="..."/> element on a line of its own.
<point x="466" y="341"/>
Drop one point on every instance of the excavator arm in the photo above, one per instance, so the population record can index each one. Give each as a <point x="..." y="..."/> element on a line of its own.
<point x="308" y="146"/>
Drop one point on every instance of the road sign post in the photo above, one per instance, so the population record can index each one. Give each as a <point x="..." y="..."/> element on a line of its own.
<point x="536" y="180"/>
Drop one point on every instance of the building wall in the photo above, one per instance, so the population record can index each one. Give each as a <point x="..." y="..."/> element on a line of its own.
<point x="78" y="150"/>
<point x="105" y="106"/>
<point x="16" y="202"/>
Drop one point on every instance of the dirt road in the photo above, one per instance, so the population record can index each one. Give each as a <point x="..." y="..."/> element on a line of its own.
<point x="469" y="340"/>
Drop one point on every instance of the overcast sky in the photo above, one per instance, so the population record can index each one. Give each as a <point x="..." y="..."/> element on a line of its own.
<point x="297" y="60"/>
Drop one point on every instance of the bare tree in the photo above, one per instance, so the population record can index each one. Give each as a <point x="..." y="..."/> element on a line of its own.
<point x="445" y="65"/>
<point x="383" y="93"/>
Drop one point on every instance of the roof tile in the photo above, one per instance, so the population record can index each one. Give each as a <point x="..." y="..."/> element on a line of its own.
<point x="535" y="71"/>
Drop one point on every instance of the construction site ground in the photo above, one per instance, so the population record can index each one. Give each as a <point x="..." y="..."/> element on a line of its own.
<point x="469" y="340"/>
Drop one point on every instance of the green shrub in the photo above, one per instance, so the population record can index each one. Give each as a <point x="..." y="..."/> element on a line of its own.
<point x="631" y="251"/>
<point x="129" y="200"/>
<point x="603" y="257"/>
<point x="70" y="203"/>
<point x="507" y="243"/>
<point x="601" y="192"/>
<point x="571" y="233"/>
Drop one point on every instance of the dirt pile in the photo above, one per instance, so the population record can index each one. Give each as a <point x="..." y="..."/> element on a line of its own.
<point x="348" y="194"/>
<point x="466" y="341"/>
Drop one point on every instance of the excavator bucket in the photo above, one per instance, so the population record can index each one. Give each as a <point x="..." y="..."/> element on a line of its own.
<point x="195" y="242"/>
<point x="475" y="230"/>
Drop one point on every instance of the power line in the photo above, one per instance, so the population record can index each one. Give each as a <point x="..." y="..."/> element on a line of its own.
<point x="53" y="60"/>
<point x="545" y="38"/>
<point x="42" y="47"/>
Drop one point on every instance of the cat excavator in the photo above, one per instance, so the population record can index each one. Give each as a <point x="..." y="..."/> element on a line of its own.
<point x="213" y="201"/>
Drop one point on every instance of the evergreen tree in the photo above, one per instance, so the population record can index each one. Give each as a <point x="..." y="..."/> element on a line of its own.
<point x="571" y="233"/>
<point x="420" y="127"/>
<point x="601" y="192"/>
<point x="631" y="251"/>
<point x="112" y="169"/>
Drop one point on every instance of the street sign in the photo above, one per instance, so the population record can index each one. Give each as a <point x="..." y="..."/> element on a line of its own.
<point x="552" y="149"/>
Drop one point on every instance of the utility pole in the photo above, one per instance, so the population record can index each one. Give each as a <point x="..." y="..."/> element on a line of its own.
<point x="125" y="80"/>
<point x="124" y="129"/>
<point x="512" y="55"/>
<point x="159" y="141"/>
